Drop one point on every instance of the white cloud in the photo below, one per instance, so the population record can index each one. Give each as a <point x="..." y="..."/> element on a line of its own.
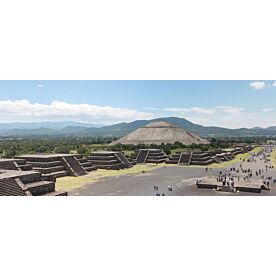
<point x="24" y="110"/>
<point x="151" y="108"/>
<point x="207" y="111"/>
<point x="39" y="85"/>
<point x="258" y="85"/>
<point x="200" y="110"/>
<point x="224" y="116"/>
<point x="267" y="109"/>
<point x="274" y="84"/>
<point x="236" y="111"/>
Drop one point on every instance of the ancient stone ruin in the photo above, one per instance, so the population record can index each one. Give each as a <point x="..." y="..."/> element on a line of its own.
<point x="26" y="183"/>
<point x="109" y="160"/>
<point x="52" y="166"/>
<point x="158" y="133"/>
<point x="205" y="158"/>
<point x="156" y="156"/>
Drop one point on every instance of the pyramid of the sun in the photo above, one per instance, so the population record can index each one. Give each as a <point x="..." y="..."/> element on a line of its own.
<point x="160" y="132"/>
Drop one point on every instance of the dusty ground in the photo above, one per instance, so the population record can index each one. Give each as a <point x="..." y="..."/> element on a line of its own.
<point x="132" y="182"/>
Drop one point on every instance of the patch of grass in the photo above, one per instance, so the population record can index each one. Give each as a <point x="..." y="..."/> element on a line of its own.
<point x="128" y="152"/>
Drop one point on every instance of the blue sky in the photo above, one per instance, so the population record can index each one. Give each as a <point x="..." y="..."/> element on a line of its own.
<point x="222" y="103"/>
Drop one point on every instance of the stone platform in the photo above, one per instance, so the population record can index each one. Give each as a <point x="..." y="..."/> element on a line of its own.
<point x="26" y="183"/>
<point x="109" y="160"/>
<point x="14" y="164"/>
<point x="52" y="166"/>
<point x="252" y="186"/>
<point x="155" y="156"/>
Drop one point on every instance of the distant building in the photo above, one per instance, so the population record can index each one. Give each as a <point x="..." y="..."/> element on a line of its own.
<point x="158" y="133"/>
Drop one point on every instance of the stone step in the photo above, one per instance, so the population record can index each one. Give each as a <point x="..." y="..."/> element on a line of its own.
<point x="83" y="160"/>
<point x="171" y="161"/>
<point x="9" y="187"/>
<point x="90" y="169"/>
<point x="57" y="193"/>
<point x="86" y="164"/>
<point x="41" y="187"/>
<point x="105" y="162"/>
<point x="51" y="176"/>
<point x="98" y="157"/>
<point x="73" y="166"/>
<point x="225" y="188"/>
<point x="158" y="161"/>
<point x="10" y="191"/>
<point x="110" y="167"/>
<point x="49" y="170"/>
<point x="26" y="167"/>
<point x="45" y="164"/>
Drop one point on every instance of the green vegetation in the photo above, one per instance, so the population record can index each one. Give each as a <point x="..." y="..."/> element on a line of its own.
<point x="215" y="144"/>
<point x="10" y="147"/>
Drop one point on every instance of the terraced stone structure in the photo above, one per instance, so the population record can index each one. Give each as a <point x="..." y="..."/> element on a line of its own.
<point x="86" y="164"/>
<point x="206" y="158"/>
<point x="156" y="156"/>
<point x="158" y="133"/>
<point x="14" y="164"/>
<point x="109" y="160"/>
<point x="52" y="166"/>
<point x="26" y="183"/>
<point x="190" y="158"/>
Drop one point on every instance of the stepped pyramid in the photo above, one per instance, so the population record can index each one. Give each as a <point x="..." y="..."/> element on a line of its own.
<point x="158" y="133"/>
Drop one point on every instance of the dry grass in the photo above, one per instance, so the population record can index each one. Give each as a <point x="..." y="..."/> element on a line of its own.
<point x="69" y="183"/>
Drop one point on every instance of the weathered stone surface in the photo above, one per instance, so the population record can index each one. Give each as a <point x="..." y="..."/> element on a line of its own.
<point x="158" y="133"/>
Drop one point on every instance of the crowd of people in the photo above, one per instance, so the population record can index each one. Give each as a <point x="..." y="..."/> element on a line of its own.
<point x="243" y="173"/>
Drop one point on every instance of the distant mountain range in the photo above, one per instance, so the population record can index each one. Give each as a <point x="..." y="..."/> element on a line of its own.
<point x="69" y="128"/>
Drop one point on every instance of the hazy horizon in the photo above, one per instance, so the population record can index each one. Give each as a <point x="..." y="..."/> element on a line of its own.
<point x="229" y="104"/>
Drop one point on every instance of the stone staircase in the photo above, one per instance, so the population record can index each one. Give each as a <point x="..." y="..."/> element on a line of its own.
<point x="217" y="159"/>
<point x="14" y="164"/>
<point x="9" y="187"/>
<point x="185" y="158"/>
<point x="201" y="159"/>
<point x="109" y="160"/>
<point x="50" y="170"/>
<point x="156" y="156"/>
<point x="142" y="156"/>
<point x="53" y="166"/>
<point x="26" y="183"/>
<point x="174" y="159"/>
<point x="87" y="165"/>
<point x="73" y="166"/>
<point x="123" y="160"/>
<point x="190" y="159"/>
<point x="179" y="158"/>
